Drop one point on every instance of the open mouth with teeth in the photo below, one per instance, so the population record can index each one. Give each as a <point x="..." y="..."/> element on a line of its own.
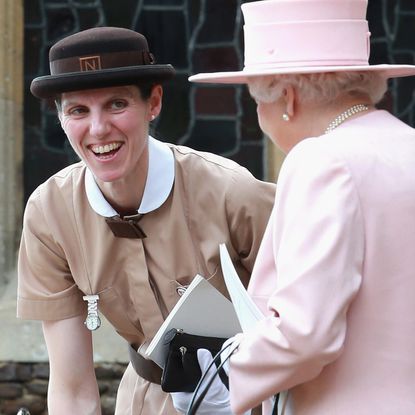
<point x="105" y="151"/>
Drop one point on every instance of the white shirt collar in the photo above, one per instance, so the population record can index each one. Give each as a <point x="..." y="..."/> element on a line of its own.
<point x="160" y="179"/>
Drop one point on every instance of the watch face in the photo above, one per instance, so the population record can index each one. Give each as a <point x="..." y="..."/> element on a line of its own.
<point x="92" y="322"/>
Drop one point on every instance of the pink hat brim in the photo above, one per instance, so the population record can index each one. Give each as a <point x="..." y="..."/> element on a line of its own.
<point x="242" y="77"/>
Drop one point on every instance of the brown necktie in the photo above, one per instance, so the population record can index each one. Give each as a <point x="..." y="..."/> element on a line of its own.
<point x="127" y="226"/>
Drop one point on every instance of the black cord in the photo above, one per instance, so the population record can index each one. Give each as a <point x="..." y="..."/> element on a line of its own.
<point x="195" y="402"/>
<point x="275" y="406"/>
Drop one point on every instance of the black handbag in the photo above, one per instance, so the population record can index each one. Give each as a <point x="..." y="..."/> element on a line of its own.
<point x="181" y="371"/>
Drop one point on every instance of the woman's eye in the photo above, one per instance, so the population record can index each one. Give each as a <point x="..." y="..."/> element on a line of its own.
<point x="118" y="104"/>
<point x="76" y="111"/>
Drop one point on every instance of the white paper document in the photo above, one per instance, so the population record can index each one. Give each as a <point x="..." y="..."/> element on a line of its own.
<point x="247" y="311"/>
<point x="201" y="310"/>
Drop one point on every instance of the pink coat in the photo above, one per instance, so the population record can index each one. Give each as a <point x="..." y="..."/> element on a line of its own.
<point x="335" y="276"/>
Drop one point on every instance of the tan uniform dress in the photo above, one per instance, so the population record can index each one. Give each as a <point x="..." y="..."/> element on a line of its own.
<point x="68" y="250"/>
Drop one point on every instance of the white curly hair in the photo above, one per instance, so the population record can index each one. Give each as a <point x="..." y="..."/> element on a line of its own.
<point x="320" y="87"/>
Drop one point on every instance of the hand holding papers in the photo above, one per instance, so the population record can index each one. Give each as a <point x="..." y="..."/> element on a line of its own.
<point x="204" y="311"/>
<point x="201" y="310"/>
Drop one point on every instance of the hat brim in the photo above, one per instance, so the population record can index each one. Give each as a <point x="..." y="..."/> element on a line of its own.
<point x="52" y="85"/>
<point x="242" y="77"/>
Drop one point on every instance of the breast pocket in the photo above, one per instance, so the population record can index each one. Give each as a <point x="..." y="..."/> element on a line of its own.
<point x="179" y="286"/>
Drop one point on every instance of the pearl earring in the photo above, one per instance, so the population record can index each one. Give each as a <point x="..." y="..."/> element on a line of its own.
<point x="285" y="117"/>
<point x="152" y="117"/>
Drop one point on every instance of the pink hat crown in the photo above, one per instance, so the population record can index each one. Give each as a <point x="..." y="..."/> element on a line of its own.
<point x="288" y="33"/>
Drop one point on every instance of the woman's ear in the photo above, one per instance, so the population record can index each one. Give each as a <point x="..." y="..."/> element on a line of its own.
<point x="155" y="101"/>
<point x="289" y="97"/>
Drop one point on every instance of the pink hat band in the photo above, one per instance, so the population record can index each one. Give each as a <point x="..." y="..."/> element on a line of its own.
<point x="304" y="36"/>
<point x="307" y="43"/>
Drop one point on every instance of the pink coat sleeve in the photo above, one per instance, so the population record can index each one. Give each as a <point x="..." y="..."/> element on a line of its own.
<point x="309" y="270"/>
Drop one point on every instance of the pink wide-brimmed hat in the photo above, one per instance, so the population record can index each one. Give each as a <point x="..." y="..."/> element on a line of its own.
<point x="304" y="36"/>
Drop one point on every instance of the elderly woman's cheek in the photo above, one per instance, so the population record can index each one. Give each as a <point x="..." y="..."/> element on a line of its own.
<point x="265" y="118"/>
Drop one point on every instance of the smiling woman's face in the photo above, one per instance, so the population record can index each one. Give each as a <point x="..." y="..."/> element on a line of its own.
<point x="108" y="128"/>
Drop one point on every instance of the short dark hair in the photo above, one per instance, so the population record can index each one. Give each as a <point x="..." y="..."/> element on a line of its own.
<point x="145" y="89"/>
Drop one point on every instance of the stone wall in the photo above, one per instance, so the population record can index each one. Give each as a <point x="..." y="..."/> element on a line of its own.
<point x="25" y="385"/>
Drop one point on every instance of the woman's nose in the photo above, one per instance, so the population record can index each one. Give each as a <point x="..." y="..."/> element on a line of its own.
<point x="99" y="125"/>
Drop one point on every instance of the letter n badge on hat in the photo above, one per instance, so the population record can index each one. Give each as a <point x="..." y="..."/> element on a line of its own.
<point x="90" y="63"/>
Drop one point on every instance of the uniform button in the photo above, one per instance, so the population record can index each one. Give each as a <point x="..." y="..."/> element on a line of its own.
<point x="181" y="289"/>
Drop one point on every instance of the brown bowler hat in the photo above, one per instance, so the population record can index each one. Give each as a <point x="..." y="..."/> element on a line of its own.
<point x="98" y="58"/>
